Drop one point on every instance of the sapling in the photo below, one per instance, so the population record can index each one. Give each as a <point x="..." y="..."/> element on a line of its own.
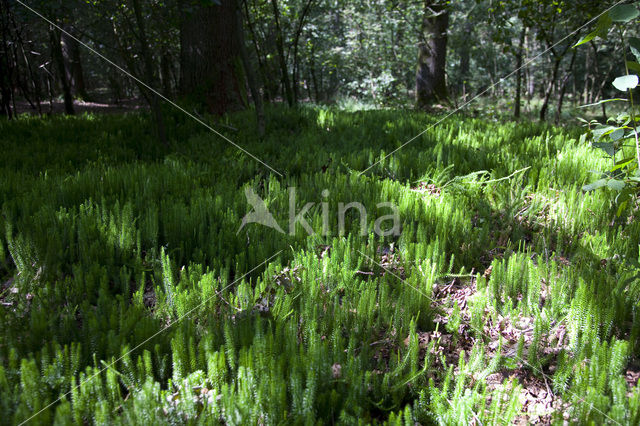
<point x="624" y="175"/>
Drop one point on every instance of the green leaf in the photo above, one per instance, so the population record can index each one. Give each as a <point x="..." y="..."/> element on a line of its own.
<point x="634" y="44"/>
<point x="624" y="163"/>
<point x="595" y="185"/>
<point x="633" y="66"/>
<point x="624" y="13"/>
<point x="583" y="138"/>
<point x="606" y="147"/>
<point x="617" y="134"/>
<point x="616" y="185"/>
<point x="602" y="29"/>
<point x="621" y="207"/>
<point x="601" y="131"/>
<point x="623" y="117"/>
<point x="626" y="82"/>
<point x="587" y="39"/>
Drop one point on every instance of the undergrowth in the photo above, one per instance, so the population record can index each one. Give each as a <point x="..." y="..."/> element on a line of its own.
<point x="129" y="293"/>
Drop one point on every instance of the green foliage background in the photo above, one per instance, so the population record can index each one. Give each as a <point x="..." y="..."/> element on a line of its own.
<point x="106" y="242"/>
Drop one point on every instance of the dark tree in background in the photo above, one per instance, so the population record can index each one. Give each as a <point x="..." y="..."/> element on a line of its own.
<point x="73" y="61"/>
<point x="58" y="57"/>
<point x="212" y="72"/>
<point x="149" y="72"/>
<point x="431" y="84"/>
<point x="6" y="65"/>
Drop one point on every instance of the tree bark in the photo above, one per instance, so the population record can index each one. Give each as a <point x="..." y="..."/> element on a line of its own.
<point x="296" y="42"/>
<point x="210" y="58"/>
<point x="281" y="58"/>
<point x="563" y="86"/>
<point x="465" y="61"/>
<point x="431" y="85"/>
<point x="71" y="53"/>
<point x="516" y="112"/>
<point x="149" y="76"/>
<point x="251" y="78"/>
<point x="6" y="81"/>
<point x="58" y="58"/>
<point x="259" y="54"/>
<point x="547" y="97"/>
<point x="314" y="79"/>
<point x="13" y="31"/>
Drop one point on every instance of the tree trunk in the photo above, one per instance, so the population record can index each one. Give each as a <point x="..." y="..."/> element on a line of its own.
<point x="530" y="71"/>
<point x="465" y="61"/>
<point x="259" y="54"/>
<point x="296" y="42"/>
<point x="210" y="58"/>
<point x="519" y="57"/>
<point x="14" y="66"/>
<point x="149" y="76"/>
<point x="58" y="58"/>
<point x="165" y="74"/>
<point x="431" y="85"/>
<point x="563" y="86"/>
<point x="587" y="77"/>
<point x="547" y="97"/>
<point x="71" y="53"/>
<point x="314" y="79"/>
<point x="5" y="87"/>
<point x="251" y="78"/>
<point x="281" y="58"/>
<point x="6" y="81"/>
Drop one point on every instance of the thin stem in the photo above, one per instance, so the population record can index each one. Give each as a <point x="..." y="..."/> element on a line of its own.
<point x="632" y="106"/>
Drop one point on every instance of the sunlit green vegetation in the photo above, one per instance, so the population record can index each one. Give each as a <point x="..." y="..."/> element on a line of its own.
<point x="495" y="288"/>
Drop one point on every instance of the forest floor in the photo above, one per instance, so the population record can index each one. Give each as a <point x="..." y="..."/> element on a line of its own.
<point x="135" y="288"/>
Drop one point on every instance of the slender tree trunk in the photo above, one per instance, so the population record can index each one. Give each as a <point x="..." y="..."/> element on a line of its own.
<point x="431" y="85"/>
<point x="35" y="81"/>
<point x="281" y="58"/>
<point x="21" y="80"/>
<point x="50" y="84"/>
<point x="519" y="57"/>
<point x="5" y="87"/>
<point x="547" y="97"/>
<point x="322" y="92"/>
<point x="58" y="58"/>
<point x="597" y="89"/>
<point x="259" y="54"/>
<point x="563" y="86"/>
<point x="149" y="76"/>
<point x="587" y="76"/>
<point x="251" y="78"/>
<point x="116" y="89"/>
<point x="75" y="73"/>
<point x="465" y="60"/>
<point x="296" y="42"/>
<point x="211" y="67"/>
<point x="165" y="74"/>
<point x="19" y="43"/>
<point x="312" y="66"/>
<point x="6" y="80"/>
